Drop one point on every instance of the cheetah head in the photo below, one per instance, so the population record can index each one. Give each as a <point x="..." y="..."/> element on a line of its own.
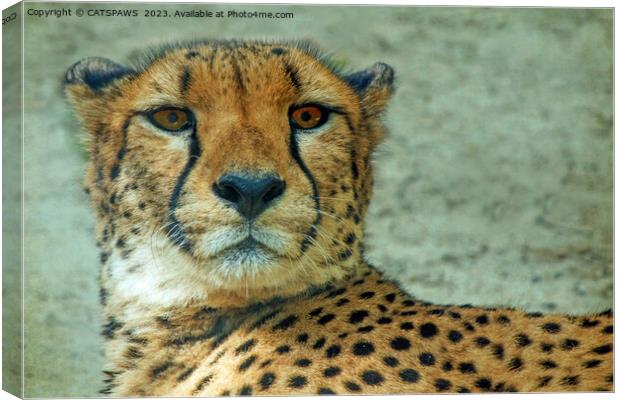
<point x="235" y="170"/>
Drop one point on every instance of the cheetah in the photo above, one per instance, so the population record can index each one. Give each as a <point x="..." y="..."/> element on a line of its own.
<point x="230" y="180"/>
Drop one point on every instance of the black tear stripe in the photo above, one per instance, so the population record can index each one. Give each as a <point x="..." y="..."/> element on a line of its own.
<point x="312" y="232"/>
<point x="179" y="233"/>
<point x="186" y="80"/>
<point x="122" y="151"/>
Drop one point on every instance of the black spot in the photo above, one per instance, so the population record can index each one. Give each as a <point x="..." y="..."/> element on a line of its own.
<point x="350" y="239"/>
<point x="407" y="326"/>
<point x="367" y="295"/>
<point x="342" y="302"/>
<point x="133" y="352"/>
<point x="522" y="340"/>
<point x="437" y="311"/>
<point x="515" y="364"/>
<point x="325" y="391"/>
<point x="390" y="297"/>
<point x="185" y="374"/>
<point x="315" y="312"/>
<point x="186" y="80"/>
<point x="283" y="349"/>
<point x="498" y="351"/>
<point x="481" y="341"/>
<point x="407" y="313"/>
<point x="303" y="362"/>
<point x="245" y="347"/>
<point x="278" y="51"/>
<point x="428" y="330"/>
<point x="285" y="323"/>
<point x="463" y="389"/>
<point x="335" y="292"/>
<point x="390" y="361"/>
<point x="400" y="343"/>
<point x="467" y="368"/>
<point x="592" y="363"/>
<point x="468" y="326"/>
<point x="504" y="320"/>
<point x="203" y="382"/>
<point x="409" y="375"/>
<point x="534" y="315"/>
<point x="544" y="381"/>
<point x="111" y="327"/>
<point x="352" y="386"/>
<point x="363" y="348"/>
<point x="569" y="344"/>
<point x="548" y="364"/>
<point x="602" y="349"/>
<point x="455" y="336"/>
<point x="297" y="382"/>
<point x="326" y="318"/>
<point x="372" y="378"/>
<point x="247" y="363"/>
<point x="265" y="363"/>
<point x="160" y="369"/>
<point x="442" y="384"/>
<point x="358" y="316"/>
<point x="482" y="319"/>
<point x="319" y="343"/>
<point x="267" y="380"/>
<point x="302" y="338"/>
<point x="483" y="384"/>
<point x="588" y="323"/>
<point x="551" y="327"/>
<point x="332" y="351"/>
<point x="384" y="320"/>
<point x="454" y="315"/>
<point x="345" y="254"/>
<point x="408" y="303"/>
<point x="608" y="329"/>
<point x="546" y="347"/>
<point x="331" y="372"/>
<point x="245" y="391"/>
<point x="570" y="380"/>
<point x="366" y="329"/>
<point x="427" y="359"/>
<point x="447" y="366"/>
<point x="191" y="54"/>
<point x="291" y="73"/>
<point x="382" y="308"/>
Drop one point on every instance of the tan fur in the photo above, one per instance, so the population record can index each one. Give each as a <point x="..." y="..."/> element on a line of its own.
<point x="182" y="319"/>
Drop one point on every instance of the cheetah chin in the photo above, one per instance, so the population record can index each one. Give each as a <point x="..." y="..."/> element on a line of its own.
<point x="230" y="181"/>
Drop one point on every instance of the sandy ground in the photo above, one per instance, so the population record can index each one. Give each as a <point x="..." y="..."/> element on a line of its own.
<point x="494" y="187"/>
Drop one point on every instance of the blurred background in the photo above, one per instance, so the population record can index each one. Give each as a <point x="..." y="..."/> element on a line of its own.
<point x="493" y="188"/>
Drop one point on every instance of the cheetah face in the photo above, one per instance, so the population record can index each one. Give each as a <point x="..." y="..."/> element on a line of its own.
<point x="240" y="166"/>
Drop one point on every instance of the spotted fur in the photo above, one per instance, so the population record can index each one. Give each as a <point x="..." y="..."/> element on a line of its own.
<point x="190" y="311"/>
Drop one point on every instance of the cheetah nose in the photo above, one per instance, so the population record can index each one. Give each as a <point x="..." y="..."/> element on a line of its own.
<point x="249" y="195"/>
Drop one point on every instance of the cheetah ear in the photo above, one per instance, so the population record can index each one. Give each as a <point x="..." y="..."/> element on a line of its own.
<point x="84" y="84"/>
<point x="374" y="85"/>
<point x="92" y="74"/>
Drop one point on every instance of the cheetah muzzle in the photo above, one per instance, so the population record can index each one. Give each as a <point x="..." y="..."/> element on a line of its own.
<point x="230" y="182"/>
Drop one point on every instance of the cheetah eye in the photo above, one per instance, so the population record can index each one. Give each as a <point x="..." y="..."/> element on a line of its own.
<point x="308" y="117"/>
<point x="171" y="119"/>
